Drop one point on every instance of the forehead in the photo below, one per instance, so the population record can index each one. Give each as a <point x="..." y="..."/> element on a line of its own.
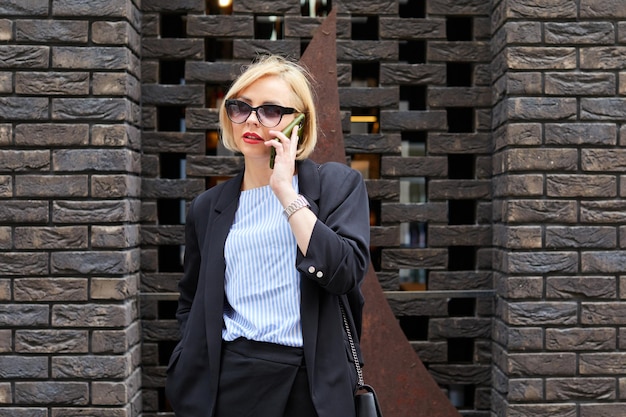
<point x="269" y="89"/>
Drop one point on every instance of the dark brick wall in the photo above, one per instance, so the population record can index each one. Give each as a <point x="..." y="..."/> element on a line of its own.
<point x="558" y="208"/>
<point x="490" y="134"/>
<point x="70" y="182"/>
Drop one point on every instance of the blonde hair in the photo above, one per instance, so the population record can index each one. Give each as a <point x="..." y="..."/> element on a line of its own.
<point x="298" y="79"/>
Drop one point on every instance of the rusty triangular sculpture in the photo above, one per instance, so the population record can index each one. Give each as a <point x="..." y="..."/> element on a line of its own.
<point x="403" y="384"/>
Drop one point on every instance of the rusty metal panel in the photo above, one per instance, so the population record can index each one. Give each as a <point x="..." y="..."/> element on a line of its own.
<point x="404" y="386"/>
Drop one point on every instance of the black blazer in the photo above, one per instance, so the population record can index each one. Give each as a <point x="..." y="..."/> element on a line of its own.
<point x="335" y="265"/>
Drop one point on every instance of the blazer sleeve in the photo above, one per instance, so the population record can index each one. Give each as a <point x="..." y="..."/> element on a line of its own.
<point x="338" y="254"/>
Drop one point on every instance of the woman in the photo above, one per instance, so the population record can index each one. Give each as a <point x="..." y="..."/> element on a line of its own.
<point x="270" y="256"/>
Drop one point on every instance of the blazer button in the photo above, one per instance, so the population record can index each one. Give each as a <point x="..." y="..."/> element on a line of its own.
<point x="319" y="274"/>
<point x="311" y="269"/>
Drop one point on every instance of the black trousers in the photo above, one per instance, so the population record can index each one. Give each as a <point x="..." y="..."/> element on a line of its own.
<point x="263" y="380"/>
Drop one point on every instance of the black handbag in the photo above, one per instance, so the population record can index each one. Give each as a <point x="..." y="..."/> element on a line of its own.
<point x="365" y="400"/>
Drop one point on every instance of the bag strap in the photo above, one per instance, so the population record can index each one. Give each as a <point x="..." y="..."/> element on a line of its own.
<point x="357" y="365"/>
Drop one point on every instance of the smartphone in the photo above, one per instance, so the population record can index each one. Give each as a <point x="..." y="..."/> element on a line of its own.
<point x="287" y="132"/>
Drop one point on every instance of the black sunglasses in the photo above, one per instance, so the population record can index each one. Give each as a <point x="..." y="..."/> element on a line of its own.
<point x="269" y="115"/>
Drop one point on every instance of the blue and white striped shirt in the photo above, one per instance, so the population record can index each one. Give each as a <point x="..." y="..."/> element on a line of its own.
<point x="262" y="284"/>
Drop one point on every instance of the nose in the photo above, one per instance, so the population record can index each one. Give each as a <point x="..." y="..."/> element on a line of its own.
<point x="256" y="117"/>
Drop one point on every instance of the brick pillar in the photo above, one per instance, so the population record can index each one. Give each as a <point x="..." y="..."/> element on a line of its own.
<point x="69" y="208"/>
<point x="559" y="168"/>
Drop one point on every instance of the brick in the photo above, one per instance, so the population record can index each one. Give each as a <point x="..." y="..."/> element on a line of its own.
<point x="601" y="57"/>
<point x="23" y="108"/>
<point x="598" y="314"/>
<point x="537" y="58"/>
<point x="115" y="236"/>
<point x="525" y="185"/>
<point x="599" y="186"/>
<point x="526" y="390"/>
<point x="52" y="83"/>
<point x="580" y="84"/>
<point x="6" y="341"/>
<point x="524" y="83"/>
<point x="179" y="6"/>
<point x="24" y="315"/>
<point x="266" y="6"/>
<point x="418" y="74"/>
<point x="101" y="109"/>
<point x="580" y="134"/>
<point x="52" y="392"/>
<point x="602" y="409"/>
<point x="115" y="136"/>
<point x="23" y="367"/>
<point x="410" y="28"/>
<point x="6" y="393"/>
<point x="522" y="32"/>
<point x="581" y="237"/>
<point x="603" y="159"/>
<point x="171" y="188"/>
<point x="6" y="235"/>
<point x="561" y="9"/>
<point x="51" y="134"/>
<point x="192" y="49"/>
<point x="73" y="160"/>
<point x="46" y="289"/>
<point x="366" y="50"/>
<point x="100" y="8"/>
<point x="6" y="134"/>
<point x="414" y="258"/>
<point x="606" y="9"/>
<point x="575" y="339"/>
<point x="19" y="161"/>
<point x="93" y="315"/>
<point x="233" y="26"/>
<point x="115" y="341"/>
<point x="173" y="95"/>
<point x="534" y="313"/>
<point x="622" y="288"/>
<point x="53" y="31"/>
<point x="601" y="212"/>
<point x="540" y="159"/>
<point x="115" y="186"/>
<point x="24" y="263"/>
<point x="61" y="186"/>
<point x="521" y="287"/>
<point x="114" y="288"/>
<point x="603" y="261"/>
<point x="603" y="109"/>
<point x="545" y="364"/>
<point x="520" y="134"/>
<point x="23" y="7"/>
<point x="116" y="84"/>
<point x="113" y="33"/>
<point x="204" y="71"/>
<point x="93" y="411"/>
<point x="6" y="30"/>
<point x="28" y="211"/>
<point x="91" y="58"/>
<point x="594" y="33"/>
<point x="80" y="212"/>
<point x="540" y="211"/>
<point x="90" y="367"/>
<point x="529" y="109"/>
<point x="24" y="57"/>
<point x="6" y="186"/>
<point x="568" y="389"/>
<point x="602" y="363"/>
<point x="51" y="341"/>
<point x="94" y="262"/>
<point x="6" y="84"/>
<point x="110" y="393"/>
<point x="51" y="237"/>
<point x="518" y="237"/>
